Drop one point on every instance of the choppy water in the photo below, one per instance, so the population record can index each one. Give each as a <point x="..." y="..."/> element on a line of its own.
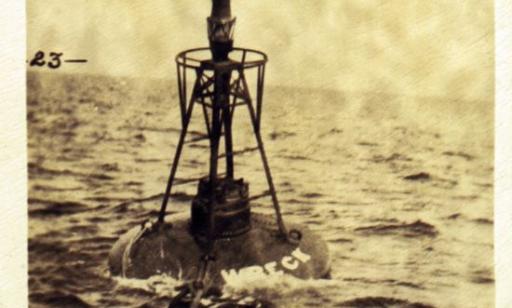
<point x="401" y="188"/>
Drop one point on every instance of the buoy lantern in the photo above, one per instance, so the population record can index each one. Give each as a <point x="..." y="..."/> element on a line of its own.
<point x="222" y="237"/>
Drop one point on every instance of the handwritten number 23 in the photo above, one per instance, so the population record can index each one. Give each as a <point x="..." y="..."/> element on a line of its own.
<point x="54" y="62"/>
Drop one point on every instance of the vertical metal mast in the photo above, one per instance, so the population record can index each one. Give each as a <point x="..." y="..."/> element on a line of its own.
<point x="220" y="35"/>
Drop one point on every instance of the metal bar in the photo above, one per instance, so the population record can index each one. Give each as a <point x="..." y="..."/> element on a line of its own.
<point x="228" y="138"/>
<point x="206" y="120"/>
<point x="258" y="96"/>
<point x="193" y="59"/>
<point x="261" y="80"/>
<point x="244" y="53"/>
<point x="209" y="79"/>
<point x="185" y="79"/>
<point x="236" y="97"/>
<point x="216" y="130"/>
<point x="209" y="82"/>
<point x="227" y="119"/>
<point x="177" y="155"/>
<point x="275" y="202"/>
<point x="205" y="94"/>
<point x="180" y="58"/>
<point x="180" y="95"/>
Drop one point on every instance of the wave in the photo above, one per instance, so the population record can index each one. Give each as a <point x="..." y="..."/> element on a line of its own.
<point x="415" y="229"/>
<point x="54" y="208"/>
<point x="381" y="302"/>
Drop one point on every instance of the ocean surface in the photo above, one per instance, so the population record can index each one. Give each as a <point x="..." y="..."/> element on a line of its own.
<point x="400" y="187"/>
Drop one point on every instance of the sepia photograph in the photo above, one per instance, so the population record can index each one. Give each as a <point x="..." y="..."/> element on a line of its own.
<point x="291" y="153"/>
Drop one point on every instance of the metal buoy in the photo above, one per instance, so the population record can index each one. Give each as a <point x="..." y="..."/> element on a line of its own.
<point x="222" y="237"/>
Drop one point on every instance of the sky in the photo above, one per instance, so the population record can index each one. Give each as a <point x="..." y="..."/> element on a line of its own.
<point x="410" y="47"/>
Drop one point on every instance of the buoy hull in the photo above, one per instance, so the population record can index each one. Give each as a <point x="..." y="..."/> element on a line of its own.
<point x="172" y="250"/>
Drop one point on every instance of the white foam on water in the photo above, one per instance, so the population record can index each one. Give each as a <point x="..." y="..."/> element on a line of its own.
<point x="161" y="285"/>
<point x="242" y="288"/>
<point x="276" y="284"/>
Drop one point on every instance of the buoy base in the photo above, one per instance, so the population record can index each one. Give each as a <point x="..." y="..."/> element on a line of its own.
<point x="171" y="249"/>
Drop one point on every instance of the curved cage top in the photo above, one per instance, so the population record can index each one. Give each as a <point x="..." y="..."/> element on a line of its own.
<point x="248" y="58"/>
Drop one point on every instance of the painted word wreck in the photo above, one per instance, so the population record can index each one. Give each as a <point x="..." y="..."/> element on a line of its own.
<point x="290" y="263"/>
